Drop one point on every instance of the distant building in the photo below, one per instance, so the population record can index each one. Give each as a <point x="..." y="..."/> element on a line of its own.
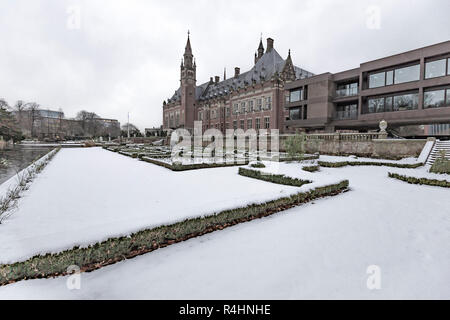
<point x="154" y="132"/>
<point x="253" y="99"/>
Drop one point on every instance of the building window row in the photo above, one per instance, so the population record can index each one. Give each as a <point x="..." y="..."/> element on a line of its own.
<point x="399" y="102"/>
<point x="250" y="106"/>
<point x="437" y="68"/>
<point x="250" y="124"/>
<point x="436" y="98"/>
<point x="394" y="76"/>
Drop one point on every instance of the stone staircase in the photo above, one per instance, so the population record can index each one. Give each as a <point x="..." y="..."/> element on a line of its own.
<point x="435" y="153"/>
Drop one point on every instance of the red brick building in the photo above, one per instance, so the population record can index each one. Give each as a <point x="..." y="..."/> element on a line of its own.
<point x="251" y="100"/>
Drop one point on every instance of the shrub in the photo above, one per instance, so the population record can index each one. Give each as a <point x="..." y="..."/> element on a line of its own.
<point x="257" y="165"/>
<point x="311" y="168"/>
<point x="295" y="145"/>
<point x="426" y="181"/>
<point x="274" y="178"/>
<point x="441" y="164"/>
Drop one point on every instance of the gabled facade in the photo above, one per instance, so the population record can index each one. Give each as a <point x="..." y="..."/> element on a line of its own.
<point x="251" y="100"/>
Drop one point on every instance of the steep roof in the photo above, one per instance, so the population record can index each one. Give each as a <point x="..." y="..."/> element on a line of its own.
<point x="269" y="64"/>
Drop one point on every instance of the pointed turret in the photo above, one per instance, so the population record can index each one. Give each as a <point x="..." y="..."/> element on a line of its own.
<point x="260" y="51"/>
<point x="188" y="56"/>
<point x="288" y="72"/>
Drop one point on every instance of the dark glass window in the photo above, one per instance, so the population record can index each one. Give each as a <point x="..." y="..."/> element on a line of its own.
<point x="407" y="74"/>
<point x="377" y="80"/>
<point x="448" y="97"/>
<point x="448" y="66"/>
<point x="296" y="95"/>
<point x="349" y="89"/>
<point x="305" y="112"/>
<point x="434" y="99"/>
<point x="242" y="124"/>
<point x="435" y="68"/>
<point x="388" y="104"/>
<point x="406" y="102"/>
<point x="258" y="123"/>
<point x="376" y="105"/>
<point x="294" y="114"/>
<point x="347" y="112"/>
<point x="389" y="78"/>
<point x="267" y="123"/>
<point x="249" y="123"/>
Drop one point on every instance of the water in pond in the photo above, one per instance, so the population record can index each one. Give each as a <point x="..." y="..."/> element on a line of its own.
<point x="19" y="157"/>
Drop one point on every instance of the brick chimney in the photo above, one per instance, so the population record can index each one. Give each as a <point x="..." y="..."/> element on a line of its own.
<point x="217" y="79"/>
<point x="237" y="71"/>
<point x="211" y="80"/>
<point x="269" y="44"/>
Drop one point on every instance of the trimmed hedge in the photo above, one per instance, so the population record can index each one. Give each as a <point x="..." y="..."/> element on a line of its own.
<point x="117" y="249"/>
<point x="311" y="168"/>
<point x="425" y="181"/>
<point x="363" y="163"/>
<point x="274" y="178"/>
<point x="184" y="167"/>
<point x="258" y="165"/>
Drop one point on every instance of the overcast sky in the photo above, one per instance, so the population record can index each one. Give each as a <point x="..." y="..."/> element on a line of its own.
<point x="121" y="56"/>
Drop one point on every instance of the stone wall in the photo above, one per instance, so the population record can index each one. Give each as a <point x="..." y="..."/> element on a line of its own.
<point x="374" y="148"/>
<point x="372" y="145"/>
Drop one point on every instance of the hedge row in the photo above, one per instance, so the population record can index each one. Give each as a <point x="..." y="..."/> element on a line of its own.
<point x="426" y="181"/>
<point x="274" y="178"/>
<point x="184" y="167"/>
<point x="363" y="163"/>
<point x="258" y="165"/>
<point x="120" y="248"/>
<point x="311" y="168"/>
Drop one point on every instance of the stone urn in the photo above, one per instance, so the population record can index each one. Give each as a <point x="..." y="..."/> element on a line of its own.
<point x="383" y="126"/>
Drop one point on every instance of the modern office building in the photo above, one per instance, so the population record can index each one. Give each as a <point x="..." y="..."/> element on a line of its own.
<point x="411" y="88"/>
<point x="251" y="100"/>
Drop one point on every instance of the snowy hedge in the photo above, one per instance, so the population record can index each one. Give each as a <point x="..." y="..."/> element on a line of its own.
<point x="426" y="181"/>
<point x="118" y="249"/>
<point x="274" y="178"/>
<point x="368" y="163"/>
<point x="311" y="168"/>
<point x="183" y="167"/>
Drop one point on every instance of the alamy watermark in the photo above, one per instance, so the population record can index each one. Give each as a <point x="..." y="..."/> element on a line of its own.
<point x="73" y="282"/>
<point x="235" y="146"/>
<point x="73" y="17"/>
<point x="374" y="279"/>
<point x="373" y="17"/>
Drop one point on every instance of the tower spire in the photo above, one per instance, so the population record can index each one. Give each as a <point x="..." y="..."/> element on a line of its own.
<point x="260" y="50"/>
<point x="188" y="56"/>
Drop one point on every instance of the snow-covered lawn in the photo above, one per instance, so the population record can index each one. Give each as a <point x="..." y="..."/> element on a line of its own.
<point x="88" y="195"/>
<point x="319" y="250"/>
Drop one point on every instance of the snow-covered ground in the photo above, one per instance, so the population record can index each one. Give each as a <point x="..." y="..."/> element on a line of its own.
<point x="85" y="196"/>
<point x="318" y="250"/>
